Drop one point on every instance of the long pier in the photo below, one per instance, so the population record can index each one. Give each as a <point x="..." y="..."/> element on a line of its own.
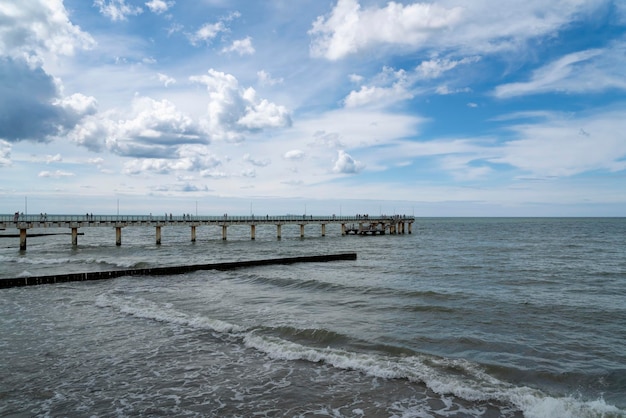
<point x="359" y="224"/>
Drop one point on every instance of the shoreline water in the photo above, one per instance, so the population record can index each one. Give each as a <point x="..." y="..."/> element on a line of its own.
<point x="480" y="317"/>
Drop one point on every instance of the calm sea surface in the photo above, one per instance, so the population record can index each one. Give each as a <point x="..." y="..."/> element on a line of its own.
<point x="466" y="317"/>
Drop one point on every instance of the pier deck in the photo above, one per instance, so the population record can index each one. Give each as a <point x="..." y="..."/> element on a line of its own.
<point x="397" y="224"/>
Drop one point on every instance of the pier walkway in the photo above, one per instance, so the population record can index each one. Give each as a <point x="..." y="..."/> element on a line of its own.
<point x="360" y="224"/>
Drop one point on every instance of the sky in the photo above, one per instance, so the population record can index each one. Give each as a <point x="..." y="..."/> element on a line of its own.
<point x="425" y="108"/>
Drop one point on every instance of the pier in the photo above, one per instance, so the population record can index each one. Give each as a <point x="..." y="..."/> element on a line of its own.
<point x="357" y="225"/>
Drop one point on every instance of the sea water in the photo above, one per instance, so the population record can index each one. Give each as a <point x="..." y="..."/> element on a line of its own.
<point x="471" y="317"/>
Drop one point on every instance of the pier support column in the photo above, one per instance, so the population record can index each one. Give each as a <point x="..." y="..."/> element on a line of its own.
<point x="74" y="236"/>
<point x="410" y="228"/>
<point x="22" y="239"/>
<point x="118" y="235"/>
<point x="343" y="229"/>
<point x="224" y="228"/>
<point x="252" y="232"/>
<point x="302" y="231"/>
<point x="323" y="230"/>
<point x="158" y="235"/>
<point x="193" y="233"/>
<point x="278" y="236"/>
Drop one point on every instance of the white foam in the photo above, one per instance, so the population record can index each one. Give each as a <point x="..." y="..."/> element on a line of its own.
<point x="143" y="308"/>
<point x="468" y="382"/>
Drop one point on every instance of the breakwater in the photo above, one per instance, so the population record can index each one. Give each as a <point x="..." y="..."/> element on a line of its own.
<point x="169" y="270"/>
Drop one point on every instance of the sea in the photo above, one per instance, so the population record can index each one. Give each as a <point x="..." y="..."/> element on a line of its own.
<point x="464" y="317"/>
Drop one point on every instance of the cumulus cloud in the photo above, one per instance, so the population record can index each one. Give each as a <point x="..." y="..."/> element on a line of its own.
<point x="348" y="28"/>
<point x="454" y="25"/>
<point x="188" y="158"/>
<point x="241" y="47"/>
<point x="159" y="6"/>
<point x="391" y="86"/>
<point x="257" y="162"/>
<point x="38" y="27"/>
<point x="387" y="87"/>
<point x="117" y="10"/>
<point x="233" y="110"/>
<point x="345" y="164"/>
<point x="207" y="32"/>
<point x="295" y="154"/>
<point x="592" y="70"/>
<point x="31" y="107"/>
<point x="31" y="104"/>
<point x="155" y="129"/>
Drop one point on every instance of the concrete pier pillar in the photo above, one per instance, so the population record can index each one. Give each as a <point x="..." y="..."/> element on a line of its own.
<point x="343" y="229"/>
<point x="252" y="231"/>
<point x="158" y="235"/>
<point x="323" y="230"/>
<point x="22" y="239"/>
<point x="224" y="228"/>
<point x="118" y="235"/>
<point x="410" y="228"/>
<point x="278" y="236"/>
<point x="302" y="231"/>
<point x="193" y="233"/>
<point x="74" y="236"/>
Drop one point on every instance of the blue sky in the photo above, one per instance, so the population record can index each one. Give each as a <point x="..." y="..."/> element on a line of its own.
<point x="440" y="108"/>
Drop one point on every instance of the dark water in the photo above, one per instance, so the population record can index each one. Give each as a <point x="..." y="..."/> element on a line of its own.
<point x="465" y="317"/>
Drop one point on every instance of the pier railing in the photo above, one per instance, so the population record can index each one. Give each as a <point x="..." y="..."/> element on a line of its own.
<point x="8" y="219"/>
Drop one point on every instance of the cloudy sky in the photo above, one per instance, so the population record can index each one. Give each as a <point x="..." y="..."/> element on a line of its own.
<point x="443" y="107"/>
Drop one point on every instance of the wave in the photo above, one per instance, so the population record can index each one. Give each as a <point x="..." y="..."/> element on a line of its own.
<point x="116" y="262"/>
<point x="447" y="377"/>
<point x="142" y="308"/>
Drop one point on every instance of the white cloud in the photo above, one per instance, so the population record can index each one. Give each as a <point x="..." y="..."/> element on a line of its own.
<point x="454" y="25"/>
<point x="207" y="32"/>
<point x="592" y="70"/>
<point x="166" y="80"/>
<point x="434" y="68"/>
<point x="265" y="79"/>
<point x="159" y="6"/>
<point x="295" y="154"/>
<point x="188" y="158"/>
<point x="348" y="29"/>
<point x="379" y="96"/>
<point x="5" y="153"/>
<point x="557" y="146"/>
<point x="256" y="162"/>
<point x="345" y="164"/>
<point x="53" y="158"/>
<point x="117" y="10"/>
<point x="155" y="129"/>
<point x="55" y="174"/>
<point x="389" y="86"/>
<point x="233" y="110"/>
<point x="241" y="47"/>
<point x="36" y="28"/>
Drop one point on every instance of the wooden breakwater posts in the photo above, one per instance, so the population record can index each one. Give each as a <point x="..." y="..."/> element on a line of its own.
<point x="358" y="225"/>
<point x="170" y="270"/>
